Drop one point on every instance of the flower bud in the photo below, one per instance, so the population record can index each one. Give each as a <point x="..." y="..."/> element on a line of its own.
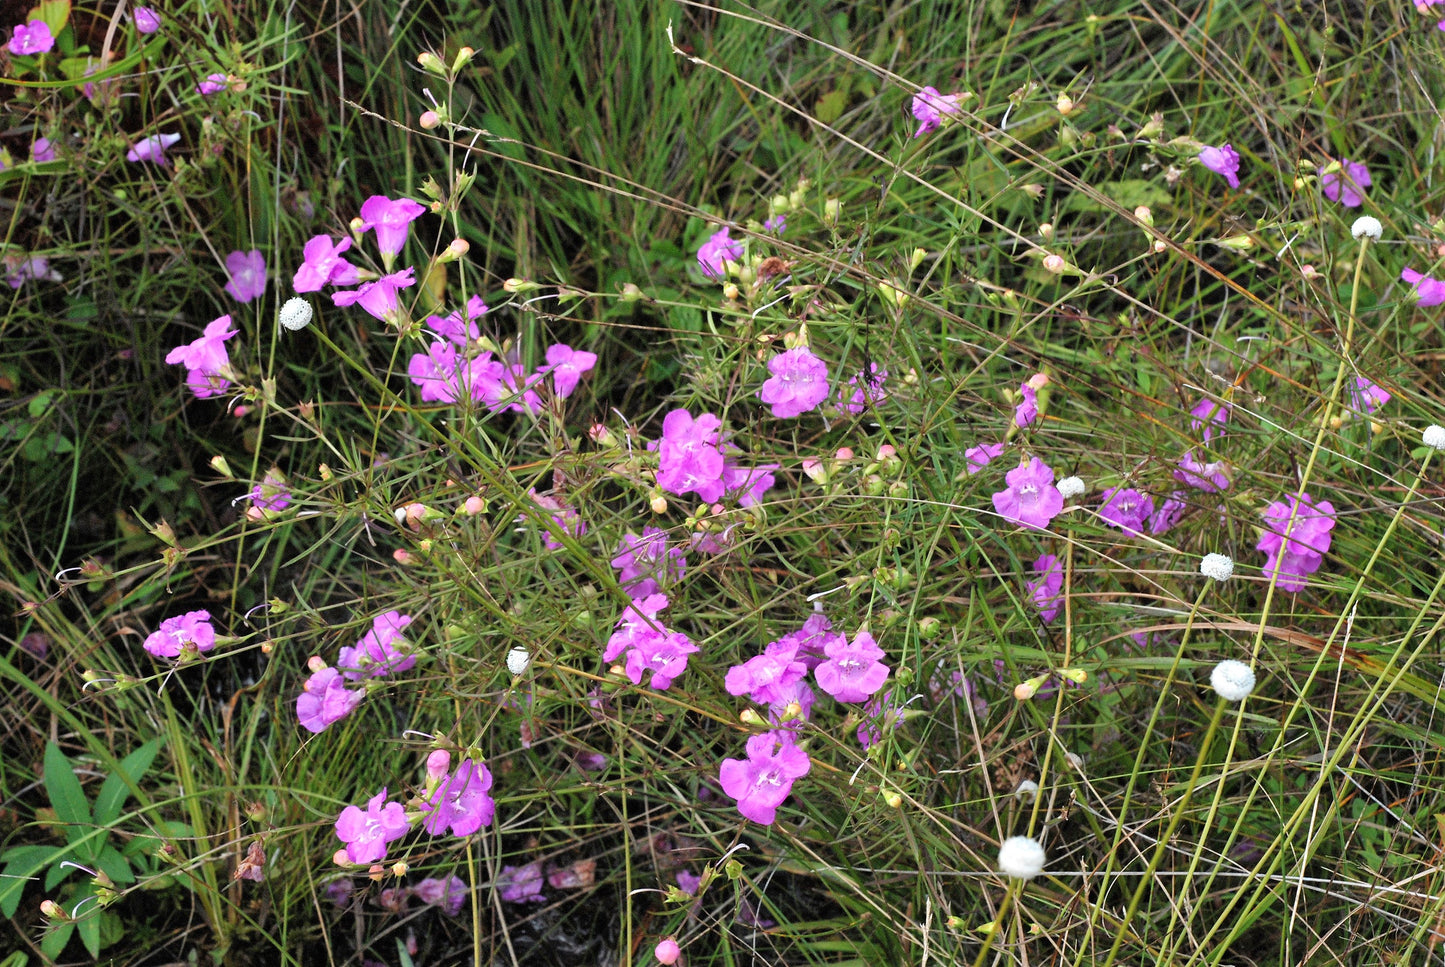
<point x="463" y="58"/>
<point x="519" y="286"/>
<point x="429" y="120"/>
<point x="431" y="63"/>
<point x="219" y="464"/>
<point x="832" y="209"/>
<point x="454" y="251"/>
<point x="631" y="293"/>
<point x="1046" y="231"/>
<point x="1055" y="264"/>
<point x="437" y="764"/>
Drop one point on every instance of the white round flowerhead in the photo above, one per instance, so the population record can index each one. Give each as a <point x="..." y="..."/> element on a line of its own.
<point x="1071" y="487"/>
<point x="1021" y="857"/>
<point x="1434" y="436"/>
<point x="517" y="660"/>
<point x="295" y="314"/>
<point x="1217" y="566"/>
<point x="1367" y="225"/>
<point x="1026" y="791"/>
<point x="1233" y="680"/>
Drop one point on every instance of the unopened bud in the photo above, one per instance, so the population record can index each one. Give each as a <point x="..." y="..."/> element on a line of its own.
<point x="454" y="251"/>
<point x="463" y="58"/>
<point x="1055" y="264"/>
<point x="832" y="209"/>
<point x="429" y="120"/>
<point x="631" y="293"/>
<point x="1046" y="231"/>
<point x="659" y="504"/>
<point x="219" y="464"/>
<point x="519" y="286"/>
<point x="431" y="63"/>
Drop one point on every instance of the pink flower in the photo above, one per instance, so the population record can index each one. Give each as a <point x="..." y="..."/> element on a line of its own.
<point x="716" y="251"/>
<point x="765" y="678"/>
<point x="777" y="224"/>
<point x="1031" y="499"/>
<point x="799" y="382"/>
<point x="213" y="84"/>
<point x="152" y="149"/>
<point x="854" y="398"/>
<point x="378" y="297"/>
<point x="764" y="779"/>
<point x="566" y="366"/>
<point x="325" y="699"/>
<point x="1206" y="416"/>
<point x="689" y="458"/>
<point x="1222" y="160"/>
<point x="649" y="644"/>
<point x="1126" y="509"/>
<point x="565" y="520"/>
<point x="521" y="884"/>
<point x="323" y="265"/>
<point x="453" y="330"/>
<point x="1045" y="591"/>
<point x="22" y="270"/>
<point x="646" y="564"/>
<point x="206" y="360"/>
<point x="461" y="802"/>
<point x="248" y="275"/>
<point x="271" y="495"/>
<point x="190" y="632"/>
<point x="42" y="150"/>
<point x="929" y="107"/>
<point x="146" y="20"/>
<point x="382" y="651"/>
<point x="1428" y="291"/>
<point x="977" y="457"/>
<point x="449" y="895"/>
<point x="854" y="670"/>
<point x="392" y="222"/>
<point x="1167" y="514"/>
<point x="31" y="38"/>
<point x="1299" y="556"/>
<point x="1368" y="396"/>
<point x="1027" y="410"/>
<point x="747" y="485"/>
<point x="1208" y="477"/>
<point x="1346" y="186"/>
<point x="367" y="833"/>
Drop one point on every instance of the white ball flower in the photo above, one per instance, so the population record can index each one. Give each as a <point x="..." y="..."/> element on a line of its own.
<point x="1367" y="225"/>
<point x="1021" y="857"/>
<point x="1026" y="791"/>
<point x="1071" y="487"/>
<point x="295" y="314"/>
<point x="1217" y="566"/>
<point x="1233" y="680"/>
<point x="1434" y="437"/>
<point x="517" y="660"/>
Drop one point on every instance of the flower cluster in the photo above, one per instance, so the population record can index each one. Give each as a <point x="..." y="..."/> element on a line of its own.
<point x="186" y="636"/>
<point x="382" y="651"/>
<point x="648" y="644"/>
<point x="694" y="457"/>
<point x="1297" y="557"/>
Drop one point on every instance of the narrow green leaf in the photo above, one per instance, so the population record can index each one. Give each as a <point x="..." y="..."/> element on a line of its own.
<point x="68" y="800"/>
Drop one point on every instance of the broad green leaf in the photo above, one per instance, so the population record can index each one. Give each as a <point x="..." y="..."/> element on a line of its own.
<point x="114" y="865"/>
<point x="68" y="800"/>
<point x="22" y="863"/>
<point x="116" y="788"/>
<point x="56" y="939"/>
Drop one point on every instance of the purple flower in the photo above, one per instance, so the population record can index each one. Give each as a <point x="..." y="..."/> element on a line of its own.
<point x="1222" y="160"/>
<point x="270" y="496"/>
<point x="190" y="632"/>
<point x="248" y="275"/>
<point x="392" y="222"/>
<point x="152" y="149"/>
<point x="809" y="643"/>
<point x="448" y="895"/>
<point x="367" y="833"/>
<point x="382" y="651"/>
<point x="1299" y="556"/>
<point x="1208" y="477"/>
<point x="929" y="107"/>
<point x="716" y="251"/>
<point x="1167" y="514"/>
<point x="765" y="678"/>
<point x="566" y="366"/>
<point x="1045" y="591"/>
<point x="978" y="457"/>
<point x="1031" y="498"/>
<point x="747" y="485"/>
<point x="206" y="359"/>
<point x="646" y="564"/>
<point x="146" y="20"/>
<point x="1206" y="416"/>
<point x="1368" y="396"/>
<point x="1027" y="410"/>
<point x="461" y="802"/>
<point x="764" y="779"/>
<point x="776" y="224"/>
<point x="565" y="520"/>
<point x="689" y="457"/>
<point x="1428" y="291"/>
<point x="213" y="84"/>
<point x="378" y="297"/>
<point x="521" y="884"/>
<point x="323" y="265"/>
<point x="447" y="377"/>
<point x="854" y="398"/>
<point x="688" y="882"/>
<point x="22" y="270"/>
<point x="649" y="644"/>
<point x="42" y="150"/>
<point x="325" y="699"/>
<point x="1346" y="185"/>
<point x="453" y="329"/>
<point x="799" y="382"/>
<point x="854" y="670"/>
<point x="31" y="38"/>
<point x="881" y="715"/>
<point x="1126" y="509"/>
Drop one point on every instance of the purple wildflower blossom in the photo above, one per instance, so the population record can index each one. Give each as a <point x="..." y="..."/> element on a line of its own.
<point x="854" y="670"/>
<point x="1208" y="418"/>
<point x="1044" y="592"/>
<point x="1299" y="556"/>
<point x="977" y="457"/>
<point x="855" y="397"/>
<point x="42" y="150"/>
<point x="1126" y="509"/>
<point x="212" y="84"/>
<point x="1367" y="395"/>
<point x="382" y="651"/>
<point x="379" y="297"/>
<point x="764" y="779"/>
<point x="325" y="699"/>
<point x="689" y="457"/>
<point x="929" y="107"/>
<point x="392" y="222"/>
<point x="646" y="564"/>
<point x="1026" y="413"/>
<point x="366" y="833"/>
<point x="31" y="38"/>
<point x="461" y="802"/>
<point x="1167" y="514"/>
<point x="448" y="895"/>
<point x="777" y="224"/>
<point x="248" y="275"/>
<point x="1208" y="477"/>
<point x="323" y="265"/>
<point x="1031" y="499"/>
<point x="146" y="20"/>
<point x="521" y="884"/>
<point x="1347" y="185"/>
<point x="566" y="367"/>
<point x="1428" y="291"/>
<point x="206" y="359"/>
<point x="1222" y="160"/>
<point x="152" y="149"/>
<point x="191" y="631"/>
<point x="716" y="251"/>
<point x="799" y="382"/>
